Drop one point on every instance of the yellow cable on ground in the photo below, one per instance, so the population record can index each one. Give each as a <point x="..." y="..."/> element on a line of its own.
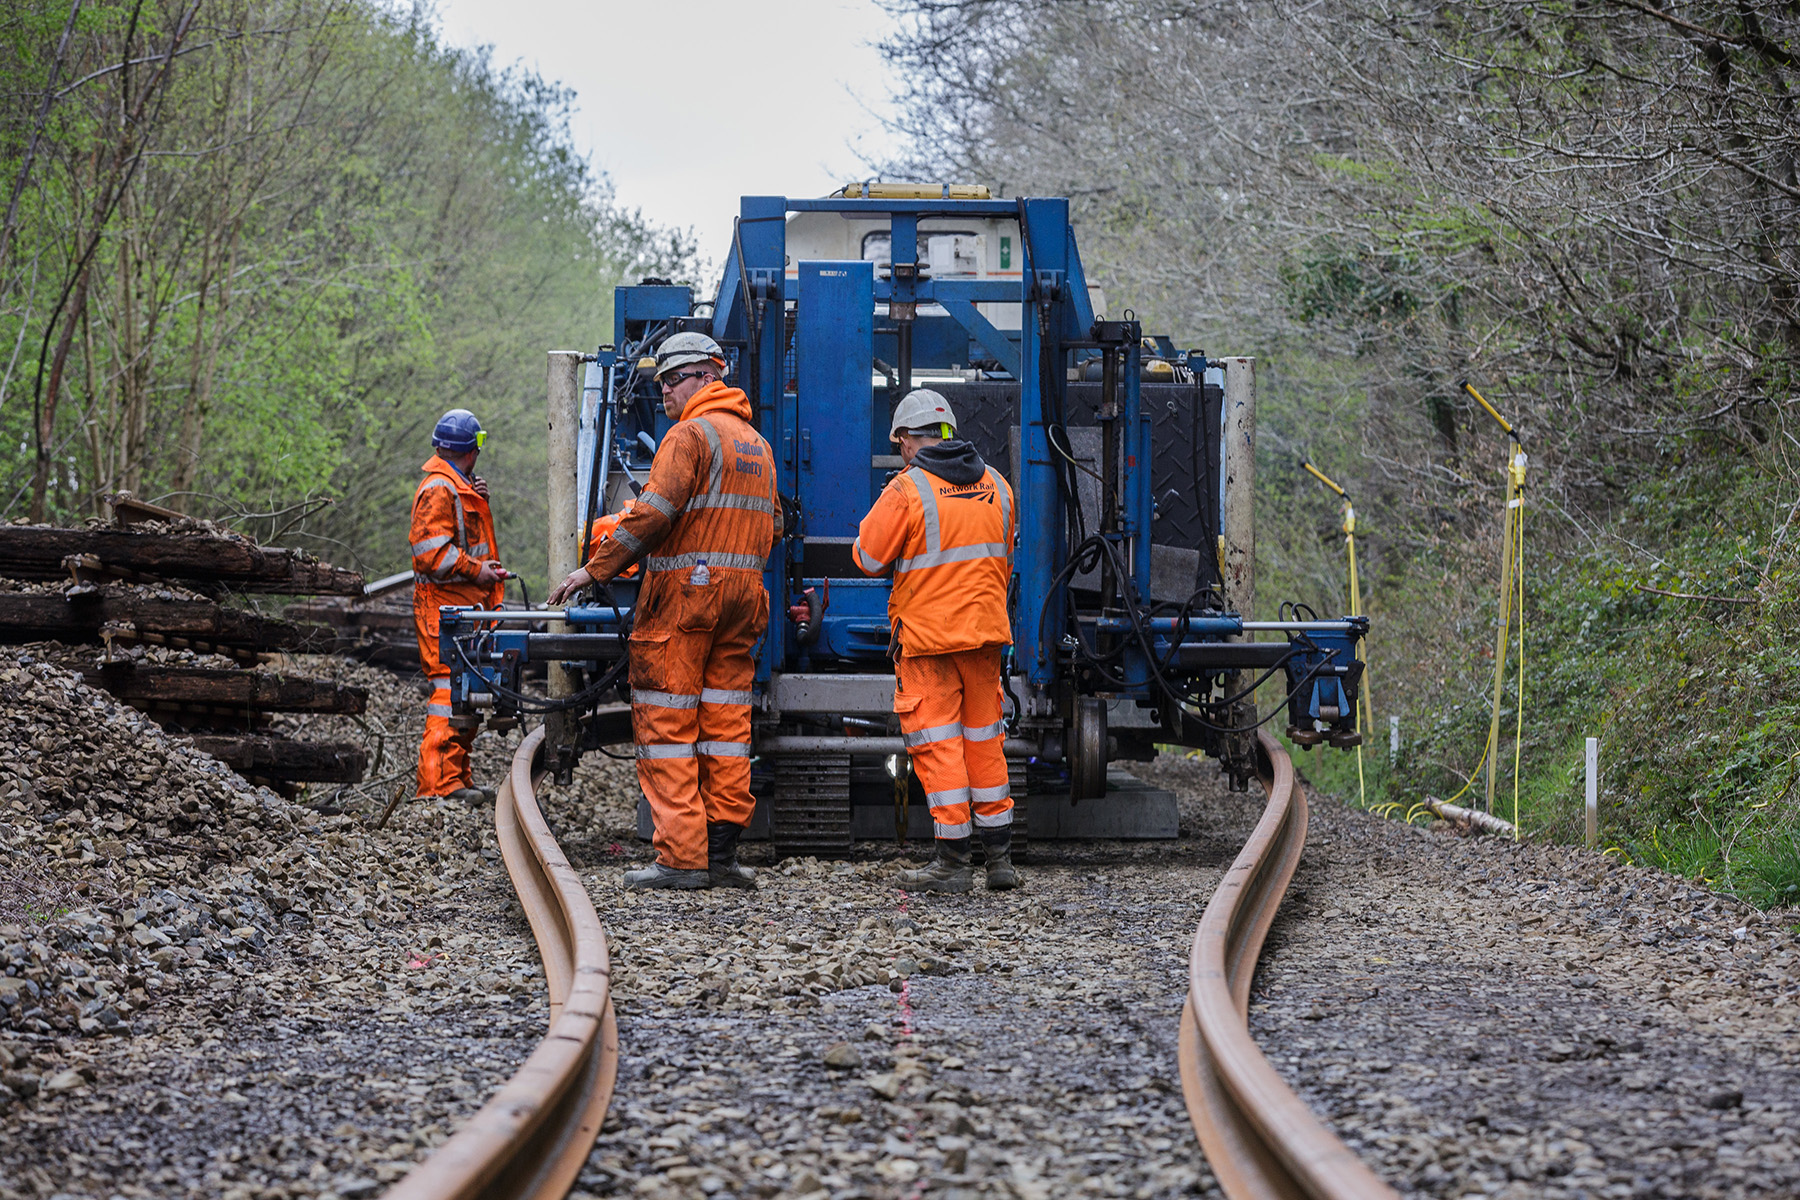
<point x="1365" y="711"/>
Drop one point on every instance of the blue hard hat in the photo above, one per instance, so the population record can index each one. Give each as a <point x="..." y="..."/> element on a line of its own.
<point x="458" y="431"/>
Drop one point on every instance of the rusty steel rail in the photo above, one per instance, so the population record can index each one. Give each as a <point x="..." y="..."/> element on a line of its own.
<point x="532" y="1138"/>
<point x="1262" y="1142"/>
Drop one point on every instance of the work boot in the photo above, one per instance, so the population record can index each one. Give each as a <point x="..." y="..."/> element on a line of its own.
<point x="722" y="866"/>
<point x="997" y="845"/>
<point x="656" y="875"/>
<point x="948" y="871"/>
<point x="472" y="795"/>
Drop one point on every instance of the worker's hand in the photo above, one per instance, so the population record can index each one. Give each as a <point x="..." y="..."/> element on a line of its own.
<point x="578" y="579"/>
<point x="480" y="486"/>
<point x="492" y="572"/>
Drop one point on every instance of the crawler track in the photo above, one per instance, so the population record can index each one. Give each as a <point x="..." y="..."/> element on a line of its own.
<point x="1260" y="1139"/>
<point x="532" y="1138"/>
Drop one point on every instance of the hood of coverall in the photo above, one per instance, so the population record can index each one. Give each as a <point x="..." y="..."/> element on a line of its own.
<point x="437" y="464"/>
<point x="954" y="461"/>
<point x="716" y="397"/>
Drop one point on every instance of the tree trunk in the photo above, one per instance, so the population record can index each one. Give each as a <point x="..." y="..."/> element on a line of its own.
<point x="46" y="420"/>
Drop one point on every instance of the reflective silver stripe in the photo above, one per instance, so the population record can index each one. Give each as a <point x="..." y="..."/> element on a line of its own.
<point x="955" y="555"/>
<point x="947" y="796"/>
<point x="724" y="749"/>
<point x="732" y="500"/>
<point x="626" y="540"/>
<point x="659" y="503"/>
<point x="437" y="710"/>
<point x="937" y="733"/>
<point x="997" y="820"/>
<point x="868" y="564"/>
<point x="667" y="750"/>
<point x="438" y="481"/>
<point x="989" y="795"/>
<point x="721" y="696"/>
<point x="711" y="431"/>
<point x="983" y="733"/>
<point x="479" y="549"/>
<point x="664" y="699"/>
<point x="449" y="560"/>
<point x="1005" y="498"/>
<point x="928" y="502"/>
<point x="676" y="562"/>
<point x="954" y="831"/>
<point x="430" y="544"/>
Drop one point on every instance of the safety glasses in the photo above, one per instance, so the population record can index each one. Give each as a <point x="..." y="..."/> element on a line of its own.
<point x="670" y="382"/>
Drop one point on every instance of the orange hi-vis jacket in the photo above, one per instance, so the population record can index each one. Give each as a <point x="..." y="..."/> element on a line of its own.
<point x="711" y="495"/>
<point x="605" y="525"/>
<point x="452" y="534"/>
<point x="949" y="546"/>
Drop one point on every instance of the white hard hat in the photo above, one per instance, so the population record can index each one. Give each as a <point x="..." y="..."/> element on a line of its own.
<point x="924" y="410"/>
<point x="678" y="350"/>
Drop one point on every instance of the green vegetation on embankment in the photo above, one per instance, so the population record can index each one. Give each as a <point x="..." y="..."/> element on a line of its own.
<point x="251" y="249"/>
<point x="1691" y="696"/>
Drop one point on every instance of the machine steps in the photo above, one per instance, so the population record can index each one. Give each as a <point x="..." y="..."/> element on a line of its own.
<point x="810" y="809"/>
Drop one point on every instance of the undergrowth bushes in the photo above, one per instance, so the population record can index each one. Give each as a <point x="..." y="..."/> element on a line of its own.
<point x="1695" y="695"/>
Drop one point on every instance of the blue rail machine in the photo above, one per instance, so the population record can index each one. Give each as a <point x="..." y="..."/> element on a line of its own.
<point x="1130" y="460"/>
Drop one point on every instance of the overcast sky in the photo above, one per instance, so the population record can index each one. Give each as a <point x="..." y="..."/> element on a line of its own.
<point x="690" y="104"/>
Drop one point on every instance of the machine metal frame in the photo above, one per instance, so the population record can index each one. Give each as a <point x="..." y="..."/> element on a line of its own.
<point x="1113" y="652"/>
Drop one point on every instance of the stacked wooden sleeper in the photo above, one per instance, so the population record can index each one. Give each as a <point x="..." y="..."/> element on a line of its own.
<point x="157" y="579"/>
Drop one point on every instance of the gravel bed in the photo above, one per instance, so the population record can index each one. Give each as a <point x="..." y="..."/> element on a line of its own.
<point x="828" y="1035"/>
<point x="209" y="991"/>
<point x="1478" y="1017"/>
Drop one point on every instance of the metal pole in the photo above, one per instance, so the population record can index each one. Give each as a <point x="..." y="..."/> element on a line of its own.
<point x="562" y="413"/>
<point x="801" y="743"/>
<point x="1593" y="792"/>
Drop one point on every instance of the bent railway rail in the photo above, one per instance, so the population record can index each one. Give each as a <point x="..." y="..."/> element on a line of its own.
<point x="1261" y="1140"/>
<point x="532" y="1138"/>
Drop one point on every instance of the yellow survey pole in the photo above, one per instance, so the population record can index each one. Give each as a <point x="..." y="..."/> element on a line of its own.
<point x="1365" y="705"/>
<point x="1512" y="601"/>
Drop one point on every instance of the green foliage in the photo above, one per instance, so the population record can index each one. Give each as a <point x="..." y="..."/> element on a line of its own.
<point x="1769" y="875"/>
<point x="329" y="229"/>
<point x="1691" y="851"/>
<point x="1688" y="694"/>
<point x="1334" y="285"/>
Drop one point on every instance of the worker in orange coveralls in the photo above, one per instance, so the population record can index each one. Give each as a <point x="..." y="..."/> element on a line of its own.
<point x="944" y="527"/>
<point x="605" y="525"/>
<point x="703" y="527"/>
<point x="454" y="562"/>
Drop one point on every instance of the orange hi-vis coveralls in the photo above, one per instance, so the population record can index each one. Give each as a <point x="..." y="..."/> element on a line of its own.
<point x="710" y="497"/>
<point x="948" y="541"/>
<point x="452" y="534"/>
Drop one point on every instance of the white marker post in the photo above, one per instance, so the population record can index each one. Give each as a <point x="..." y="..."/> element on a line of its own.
<point x="1593" y="792"/>
<point x="1393" y="738"/>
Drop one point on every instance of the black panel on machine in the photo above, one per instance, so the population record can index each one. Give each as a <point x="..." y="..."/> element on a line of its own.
<point x="1185" y="431"/>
